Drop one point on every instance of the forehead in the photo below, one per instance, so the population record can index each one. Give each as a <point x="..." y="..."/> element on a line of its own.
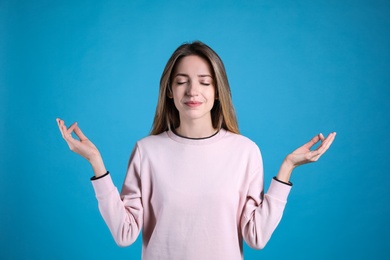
<point x="193" y="64"/>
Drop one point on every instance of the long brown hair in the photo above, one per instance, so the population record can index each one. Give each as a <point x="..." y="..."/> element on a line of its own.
<point x="222" y="114"/>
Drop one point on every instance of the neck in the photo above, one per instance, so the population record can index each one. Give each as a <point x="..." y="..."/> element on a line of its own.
<point x="194" y="129"/>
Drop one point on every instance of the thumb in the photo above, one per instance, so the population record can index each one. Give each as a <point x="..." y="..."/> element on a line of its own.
<point x="79" y="133"/>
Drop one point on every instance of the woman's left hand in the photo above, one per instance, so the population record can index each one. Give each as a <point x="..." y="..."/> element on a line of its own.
<point x="304" y="155"/>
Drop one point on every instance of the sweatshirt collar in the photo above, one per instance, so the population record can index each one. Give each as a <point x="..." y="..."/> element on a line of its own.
<point x="196" y="141"/>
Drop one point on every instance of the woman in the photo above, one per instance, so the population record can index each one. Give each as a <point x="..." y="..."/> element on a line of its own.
<point x="195" y="185"/>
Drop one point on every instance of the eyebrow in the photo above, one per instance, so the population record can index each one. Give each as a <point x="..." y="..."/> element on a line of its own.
<point x="186" y="75"/>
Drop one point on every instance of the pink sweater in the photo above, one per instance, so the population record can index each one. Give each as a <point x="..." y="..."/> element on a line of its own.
<point x="193" y="199"/>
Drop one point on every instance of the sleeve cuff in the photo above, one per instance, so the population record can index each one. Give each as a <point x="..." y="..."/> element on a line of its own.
<point x="279" y="190"/>
<point x="103" y="186"/>
<point x="97" y="178"/>
<point x="287" y="183"/>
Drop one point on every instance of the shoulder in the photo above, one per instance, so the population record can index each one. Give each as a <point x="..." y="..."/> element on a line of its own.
<point x="244" y="149"/>
<point x="240" y="140"/>
<point x="149" y="145"/>
<point x="154" y="138"/>
<point x="240" y="144"/>
<point x="152" y="141"/>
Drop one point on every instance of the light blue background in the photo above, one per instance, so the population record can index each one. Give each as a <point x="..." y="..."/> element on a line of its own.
<point x="296" y="68"/>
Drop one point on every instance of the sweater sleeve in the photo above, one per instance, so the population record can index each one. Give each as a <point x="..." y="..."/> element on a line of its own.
<point x="262" y="213"/>
<point x="123" y="214"/>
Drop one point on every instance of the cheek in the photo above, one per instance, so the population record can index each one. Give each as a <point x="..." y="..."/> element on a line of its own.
<point x="177" y="93"/>
<point x="212" y="94"/>
<point x="176" y="102"/>
<point x="176" y="96"/>
<point x="211" y="98"/>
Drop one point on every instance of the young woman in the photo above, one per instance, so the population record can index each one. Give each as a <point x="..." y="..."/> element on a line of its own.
<point x="195" y="185"/>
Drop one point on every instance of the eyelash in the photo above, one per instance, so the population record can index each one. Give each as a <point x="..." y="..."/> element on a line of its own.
<point x="204" y="84"/>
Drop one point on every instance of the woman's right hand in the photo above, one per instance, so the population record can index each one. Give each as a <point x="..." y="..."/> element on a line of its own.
<point x="83" y="146"/>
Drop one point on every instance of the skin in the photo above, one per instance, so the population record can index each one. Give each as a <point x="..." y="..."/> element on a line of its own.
<point x="193" y="93"/>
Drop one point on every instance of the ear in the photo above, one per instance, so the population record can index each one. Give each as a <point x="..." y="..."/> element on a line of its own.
<point x="169" y="92"/>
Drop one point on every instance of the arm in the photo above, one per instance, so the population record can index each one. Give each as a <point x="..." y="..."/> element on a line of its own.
<point x="263" y="213"/>
<point x="122" y="214"/>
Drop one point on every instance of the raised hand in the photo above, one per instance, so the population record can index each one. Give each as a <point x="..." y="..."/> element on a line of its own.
<point x="82" y="146"/>
<point x="304" y="155"/>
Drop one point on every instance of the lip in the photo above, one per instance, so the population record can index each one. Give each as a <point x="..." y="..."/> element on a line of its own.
<point x="193" y="103"/>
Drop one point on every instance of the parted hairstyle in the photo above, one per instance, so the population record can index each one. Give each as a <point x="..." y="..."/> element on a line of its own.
<point x="222" y="114"/>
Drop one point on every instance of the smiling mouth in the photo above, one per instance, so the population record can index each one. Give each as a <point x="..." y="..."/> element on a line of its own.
<point x="193" y="103"/>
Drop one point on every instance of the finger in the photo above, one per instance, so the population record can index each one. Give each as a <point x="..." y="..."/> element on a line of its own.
<point x="66" y="132"/>
<point x="62" y="127"/>
<point x="71" y="127"/>
<point x="79" y="133"/>
<point x="330" y="140"/>
<point x="313" y="141"/>
<point x="68" y="135"/>
<point x="326" y="144"/>
<point x="72" y="142"/>
<point x="314" y="155"/>
<point x="317" y="156"/>
<point x="59" y="124"/>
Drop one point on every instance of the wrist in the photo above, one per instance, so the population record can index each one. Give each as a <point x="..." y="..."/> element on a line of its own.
<point x="98" y="166"/>
<point x="285" y="171"/>
<point x="288" y="162"/>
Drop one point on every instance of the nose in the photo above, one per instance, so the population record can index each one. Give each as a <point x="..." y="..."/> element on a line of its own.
<point x="192" y="89"/>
